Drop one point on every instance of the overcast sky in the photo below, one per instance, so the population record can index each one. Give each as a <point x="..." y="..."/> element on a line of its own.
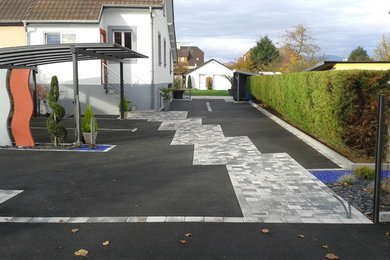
<point x="226" y="29"/>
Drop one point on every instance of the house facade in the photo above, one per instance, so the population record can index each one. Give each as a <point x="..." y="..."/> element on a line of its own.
<point x="146" y="27"/>
<point x="213" y="69"/>
<point x="189" y="57"/>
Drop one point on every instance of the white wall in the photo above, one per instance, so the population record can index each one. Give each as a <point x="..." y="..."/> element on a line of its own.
<point x="137" y="72"/>
<point x="214" y="70"/>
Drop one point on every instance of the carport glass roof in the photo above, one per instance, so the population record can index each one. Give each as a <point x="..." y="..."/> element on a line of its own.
<point x="35" y="55"/>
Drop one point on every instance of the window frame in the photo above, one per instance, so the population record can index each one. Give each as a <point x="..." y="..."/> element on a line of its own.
<point x="159" y="49"/>
<point x="61" y="37"/>
<point x="123" y="38"/>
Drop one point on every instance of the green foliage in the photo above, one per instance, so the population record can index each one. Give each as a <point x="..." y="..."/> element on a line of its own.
<point x="364" y="173"/>
<point x="347" y="179"/>
<point x="189" y="82"/>
<point x="196" y="92"/>
<point x="337" y="107"/>
<point x="57" y="131"/>
<point x="166" y="93"/>
<point x="88" y="115"/>
<point x="359" y="54"/>
<point x="125" y="105"/>
<point x="209" y="83"/>
<point x="177" y="83"/>
<point x="264" y="53"/>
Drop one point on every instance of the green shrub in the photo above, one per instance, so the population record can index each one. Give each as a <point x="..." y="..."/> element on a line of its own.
<point x="209" y="83"/>
<point x="57" y="131"/>
<point x="337" y="107"/>
<point x="364" y="173"/>
<point x="189" y="82"/>
<point x="87" y="120"/>
<point x="177" y="83"/>
<point x="125" y="105"/>
<point x="347" y="179"/>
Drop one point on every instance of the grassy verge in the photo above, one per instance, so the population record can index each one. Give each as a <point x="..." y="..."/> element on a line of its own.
<point x="196" y="92"/>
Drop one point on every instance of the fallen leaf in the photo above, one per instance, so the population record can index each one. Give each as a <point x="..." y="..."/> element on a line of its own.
<point x="368" y="213"/>
<point x="188" y="235"/>
<point x="183" y="242"/>
<point x="387" y="234"/>
<point x="301" y="236"/>
<point x="332" y="256"/>
<point x="325" y="246"/>
<point x="81" y="252"/>
<point x="61" y="221"/>
<point x="75" y="230"/>
<point x="106" y="243"/>
<point x="265" y="230"/>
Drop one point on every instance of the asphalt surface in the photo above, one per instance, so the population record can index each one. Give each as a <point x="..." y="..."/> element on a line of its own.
<point x="145" y="176"/>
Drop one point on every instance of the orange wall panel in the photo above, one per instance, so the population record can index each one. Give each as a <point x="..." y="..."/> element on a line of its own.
<point x="23" y="107"/>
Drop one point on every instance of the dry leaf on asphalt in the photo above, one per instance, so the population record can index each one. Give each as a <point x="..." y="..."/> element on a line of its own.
<point x="81" y="252"/>
<point x="106" y="243"/>
<point x="325" y="246"/>
<point x="387" y="234"/>
<point x="188" y="235"/>
<point x="265" y="230"/>
<point x="183" y="242"/>
<point x="61" y="221"/>
<point x="301" y="236"/>
<point x="331" y="256"/>
<point x="75" y="230"/>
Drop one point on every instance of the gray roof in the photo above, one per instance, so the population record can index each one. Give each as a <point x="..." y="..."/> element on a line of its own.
<point x="35" y="55"/>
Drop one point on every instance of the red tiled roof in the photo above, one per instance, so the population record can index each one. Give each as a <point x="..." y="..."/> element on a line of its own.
<point x="14" y="10"/>
<point x="64" y="10"/>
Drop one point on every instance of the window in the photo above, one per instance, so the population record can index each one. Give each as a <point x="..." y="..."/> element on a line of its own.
<point x="58" y="38"/>
<point x="182" y="59"/>
<point x="123" y="38"/>
<point x="170" y="61"/>
<point x="68" y="38"/>
<point x="159" y="49"/>
<point x="53" y="38"/>
<point x="165" y="53"/>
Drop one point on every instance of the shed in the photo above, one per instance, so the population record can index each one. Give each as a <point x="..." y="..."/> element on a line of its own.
<point x="239" y="88"/>
<point x="211" y="69"/>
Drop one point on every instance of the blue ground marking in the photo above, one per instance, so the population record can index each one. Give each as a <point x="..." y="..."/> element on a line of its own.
<point x="99" y="148"/>
<point x="333" y="175"/>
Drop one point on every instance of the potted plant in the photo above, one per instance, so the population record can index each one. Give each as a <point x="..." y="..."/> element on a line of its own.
<point x="87" y="126"/>
<point x="166" y="95"/>
<point x="126" y="107"/>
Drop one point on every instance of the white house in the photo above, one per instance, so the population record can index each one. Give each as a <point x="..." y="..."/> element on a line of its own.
<point x="146" y="27"/>
<point x="211" y="69"/>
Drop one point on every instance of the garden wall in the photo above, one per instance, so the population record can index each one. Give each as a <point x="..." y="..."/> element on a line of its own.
<point x="337" y="107"/>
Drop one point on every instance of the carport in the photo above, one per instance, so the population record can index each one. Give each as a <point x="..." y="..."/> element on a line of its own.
<point x="30" y="57"/>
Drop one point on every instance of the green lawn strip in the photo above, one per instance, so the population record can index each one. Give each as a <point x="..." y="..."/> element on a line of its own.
<point x="209" y="92"/>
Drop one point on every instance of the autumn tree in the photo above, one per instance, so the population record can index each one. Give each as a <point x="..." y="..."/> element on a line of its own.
<point x="300" y="41"/>
<point x="359" y="54"/>
<point x="382" y="52"/>
<point x="244" y="63"/>
<point x="264" y="53"/>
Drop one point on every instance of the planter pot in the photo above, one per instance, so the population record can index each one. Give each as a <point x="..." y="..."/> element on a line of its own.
<point x="87" y="137"/>
<point x="166" y="104"/>
<point x="178" y="94"/>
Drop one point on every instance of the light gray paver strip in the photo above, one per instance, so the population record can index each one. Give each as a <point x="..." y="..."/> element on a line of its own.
<point x="8" y="194"/>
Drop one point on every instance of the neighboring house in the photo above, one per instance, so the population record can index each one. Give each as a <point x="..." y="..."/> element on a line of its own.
<point x="145" y="26"/>
<point x="211" y="69"/>
<point x="346" y="65"/>
<point x="12" y="30"/>
<point x="189" y="57"/>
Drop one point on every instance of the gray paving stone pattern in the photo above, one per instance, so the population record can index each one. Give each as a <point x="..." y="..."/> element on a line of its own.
<point x="269" y="187"/>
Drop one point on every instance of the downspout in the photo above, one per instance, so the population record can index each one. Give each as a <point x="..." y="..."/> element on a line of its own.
<point x="152" y="58"/>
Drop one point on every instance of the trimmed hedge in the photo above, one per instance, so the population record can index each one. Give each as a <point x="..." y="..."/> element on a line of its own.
<point x="337" y="107"/>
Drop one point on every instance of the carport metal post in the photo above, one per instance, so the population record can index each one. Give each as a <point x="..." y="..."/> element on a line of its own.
<point x="76" y="100"/>
<point x="122" y="90"/>
<point x="35" y="101"/>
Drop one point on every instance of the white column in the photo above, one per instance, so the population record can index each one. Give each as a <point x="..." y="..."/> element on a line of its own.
<point x="5" y="108"/>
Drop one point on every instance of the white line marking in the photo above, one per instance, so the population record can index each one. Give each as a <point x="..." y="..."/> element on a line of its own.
<point x="209" y="107"/>
<point x="100" y="129"/>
